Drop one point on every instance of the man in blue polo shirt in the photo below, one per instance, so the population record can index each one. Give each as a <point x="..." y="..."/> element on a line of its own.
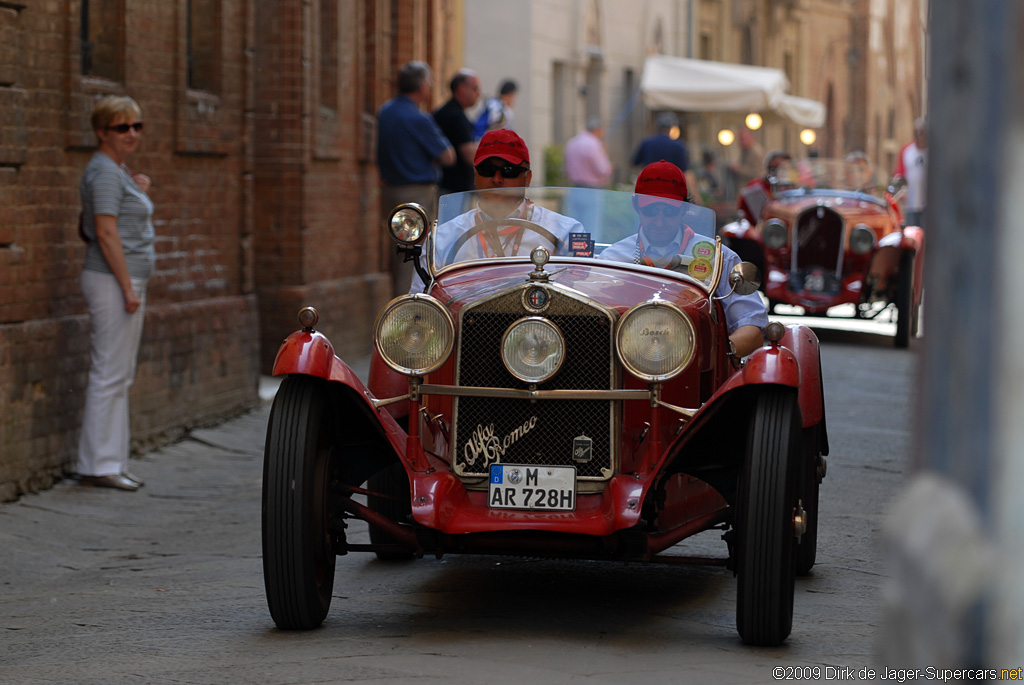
<point x="410" y="150"/>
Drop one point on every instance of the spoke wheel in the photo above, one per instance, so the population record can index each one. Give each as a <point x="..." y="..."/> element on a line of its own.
<point x="298" y="561"/>
<point x="393" y="482"/>
<point x="905" y="314"/>
<point x="765" y="510"/>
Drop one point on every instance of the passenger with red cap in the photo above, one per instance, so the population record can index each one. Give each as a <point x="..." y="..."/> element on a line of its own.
<point x="502" y="167"/>
<point x="663" y="237"/>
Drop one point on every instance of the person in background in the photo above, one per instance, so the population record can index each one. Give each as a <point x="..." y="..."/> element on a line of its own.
<point x="756" y="193"/>
<point x="456" y="127"/>
<point x="410" y="150"/>
<point x="748" y="166"/>
<point x="661" y="145"/>
<point x="117" y="224"/>
<point x="858" y="174"/>
<point x="498" y="112"/>
<point x="709" y="183"/>
<point x="586" y="159"/>
<point x="661" y="191"/>
<point x="912" y="165"/>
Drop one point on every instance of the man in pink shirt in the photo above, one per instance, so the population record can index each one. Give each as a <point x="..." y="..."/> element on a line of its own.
<point x="586" y="160"/>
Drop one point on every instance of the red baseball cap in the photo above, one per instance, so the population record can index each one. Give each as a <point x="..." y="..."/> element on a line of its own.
<point x="661" y="179"/>
<point x="504" y="144"/>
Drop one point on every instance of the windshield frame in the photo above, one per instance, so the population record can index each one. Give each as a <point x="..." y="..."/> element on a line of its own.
<point x="612" y="216"/>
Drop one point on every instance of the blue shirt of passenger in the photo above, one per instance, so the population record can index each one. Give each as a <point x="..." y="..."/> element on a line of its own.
<point x="408" y="142"/>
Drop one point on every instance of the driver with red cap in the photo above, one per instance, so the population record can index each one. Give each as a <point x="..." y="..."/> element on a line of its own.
<point x="502" y="166"/>
<point x="662" y="239"/>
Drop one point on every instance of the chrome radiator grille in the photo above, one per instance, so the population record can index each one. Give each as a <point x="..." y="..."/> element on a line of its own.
<point x="512" y="431"/>
<point x="819" y="239"/>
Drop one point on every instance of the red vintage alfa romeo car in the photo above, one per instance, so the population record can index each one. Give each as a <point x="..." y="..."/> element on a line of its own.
<point x="531" y="398"/>
<point x="827" y="235"/>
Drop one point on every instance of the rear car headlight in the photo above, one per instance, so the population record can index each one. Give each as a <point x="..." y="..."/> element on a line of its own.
<point x="775" y="234"/>
<point x="655" y="341"/>
<point x="414" y="334"/>
<point x="862" y="239"/>
<point x="408" y="223"/>
<point x="533" y="349"/>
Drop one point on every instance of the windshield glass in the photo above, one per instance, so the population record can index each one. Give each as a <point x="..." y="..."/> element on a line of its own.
<point x="853" y="173"/>
<point x="579" y="223"/>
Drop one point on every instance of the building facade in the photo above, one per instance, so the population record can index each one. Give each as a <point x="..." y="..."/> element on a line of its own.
<point x="576" y="59"/>
<point x="260" y="130"/>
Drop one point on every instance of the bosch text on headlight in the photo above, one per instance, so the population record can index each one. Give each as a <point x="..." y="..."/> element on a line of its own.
<point x="414" y="334"/>
<point x="655" y="340"/>
<point x="533" y="349"/>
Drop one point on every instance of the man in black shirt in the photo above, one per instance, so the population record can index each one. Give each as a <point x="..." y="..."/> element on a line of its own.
<point x="451" y="118"/>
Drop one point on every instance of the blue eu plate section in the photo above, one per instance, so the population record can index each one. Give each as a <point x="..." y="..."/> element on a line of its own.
<point x="496" y="474"/>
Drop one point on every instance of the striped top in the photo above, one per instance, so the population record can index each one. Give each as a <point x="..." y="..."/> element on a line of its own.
<point x="109" y="189"/>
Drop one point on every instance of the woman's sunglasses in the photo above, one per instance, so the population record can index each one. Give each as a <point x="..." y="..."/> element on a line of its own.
<point x="124" y="128"/>
<point x="488" y="169"/>
<point x="670" y="211"/>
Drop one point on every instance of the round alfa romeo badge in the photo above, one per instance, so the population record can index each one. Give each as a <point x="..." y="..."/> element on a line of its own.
<point x="700" y="269"/>
<point x="536" y="298"/>
<point x="515" y="476"/>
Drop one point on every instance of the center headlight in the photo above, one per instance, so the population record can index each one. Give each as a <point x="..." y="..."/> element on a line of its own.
<point x="414" y="334"/>
<point x="533" y="349"/>
<point x="655" y="341"/>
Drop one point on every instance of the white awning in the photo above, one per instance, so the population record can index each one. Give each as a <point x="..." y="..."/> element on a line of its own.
<point x="695" y="85"/>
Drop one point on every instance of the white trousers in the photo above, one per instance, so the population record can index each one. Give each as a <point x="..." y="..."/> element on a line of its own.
<point x="114" y="335"/>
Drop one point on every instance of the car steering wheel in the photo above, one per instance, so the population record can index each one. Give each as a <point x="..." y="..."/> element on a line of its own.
<point x="490" y="228"/>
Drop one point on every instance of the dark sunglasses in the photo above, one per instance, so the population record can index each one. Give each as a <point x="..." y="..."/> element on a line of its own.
<point x="488" y="169"/>
<point x="667" y="210"/>
<point x="124" y="128"/>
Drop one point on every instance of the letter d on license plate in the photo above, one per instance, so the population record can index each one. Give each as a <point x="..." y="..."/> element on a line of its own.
<point x="516" y="486"/>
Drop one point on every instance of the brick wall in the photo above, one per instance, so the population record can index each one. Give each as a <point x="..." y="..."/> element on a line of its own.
<point x="266" y="201"/>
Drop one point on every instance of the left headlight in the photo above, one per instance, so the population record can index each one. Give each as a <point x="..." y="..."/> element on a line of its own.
<point x="414" y="334"/>
<point x="862" y="239"/>
<point x="655" y="341"/>
<point x="533" y="349"/>
<point x="408" y="223"/>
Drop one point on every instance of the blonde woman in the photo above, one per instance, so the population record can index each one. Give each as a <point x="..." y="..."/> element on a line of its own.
<point x="117" y="223"/>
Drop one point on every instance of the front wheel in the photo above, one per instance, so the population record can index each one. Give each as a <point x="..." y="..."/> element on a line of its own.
<point x="298" y="560"/>
<point x="766" y="507"/>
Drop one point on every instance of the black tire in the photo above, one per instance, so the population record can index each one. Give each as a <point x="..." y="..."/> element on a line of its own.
<point x="807" y="494"/>
<point x="393" y="482"/>
<point x="764" y="521"/>
<point x="905" y="314"/>
<point x="298" y="560"/>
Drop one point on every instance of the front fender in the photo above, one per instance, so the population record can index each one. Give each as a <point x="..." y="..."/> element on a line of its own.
<point x="310" y="353"/>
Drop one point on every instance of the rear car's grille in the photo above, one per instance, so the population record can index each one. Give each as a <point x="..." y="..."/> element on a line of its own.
<point x="819" y="239"/>
<point x="512" y="431"/>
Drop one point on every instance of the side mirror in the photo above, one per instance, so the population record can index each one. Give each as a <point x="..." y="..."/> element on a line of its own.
<point x="745" y="278"/>
<point x="897" y="186"/>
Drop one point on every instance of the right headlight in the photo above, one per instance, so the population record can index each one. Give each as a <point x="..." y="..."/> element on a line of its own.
<point x="775" y="234"/>
<point x="414" y="334"/>
<point x="408" y="223"/>
<point x="655" y="341"/>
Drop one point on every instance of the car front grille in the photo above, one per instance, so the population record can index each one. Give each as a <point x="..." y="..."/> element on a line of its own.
<point x="491" y="430"/>
<point x="819" y="240"/>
